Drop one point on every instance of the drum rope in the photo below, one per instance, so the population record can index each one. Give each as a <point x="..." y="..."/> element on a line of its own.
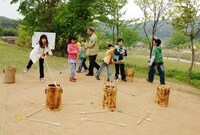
<point x="3" y="114"/>
<point x="50" y="72"/>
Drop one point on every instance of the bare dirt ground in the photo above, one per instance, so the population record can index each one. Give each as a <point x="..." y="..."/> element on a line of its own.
<point x="27" y="94"/>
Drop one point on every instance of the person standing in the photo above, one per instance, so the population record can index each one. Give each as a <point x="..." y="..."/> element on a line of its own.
<point x="72" y="50"/>
<point x="107" y="60"/>
<point x="119" y="53"/>
<point x="39" y="54"/>
<point x="156" y="61"/>
<point x="92" y="51"/>
<point x="82" y="56"/>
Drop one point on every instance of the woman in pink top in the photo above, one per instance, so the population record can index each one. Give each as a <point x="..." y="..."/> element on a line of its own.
<point x="72" y="50"/>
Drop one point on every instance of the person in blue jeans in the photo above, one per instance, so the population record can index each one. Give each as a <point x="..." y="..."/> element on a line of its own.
<point x="156" y="62"/>
<point x="82" y="57"/>
<point x="107" y="60"/>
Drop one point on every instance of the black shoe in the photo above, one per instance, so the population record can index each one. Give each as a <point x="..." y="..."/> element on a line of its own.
<point x="149" y="81"/>
<point x="89" y="74"/>
<point x="97" y="77"/>
<point x="78" y="71"/>
<point x="108" y="80"/>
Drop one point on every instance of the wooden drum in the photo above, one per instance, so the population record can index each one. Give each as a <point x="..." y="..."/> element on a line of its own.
<point x="162" y="95"/>
<point x="9" y="74"/>
<point x="53" y="97"/>
<point x="130" y="74"/>
<point x="109" y="97"/>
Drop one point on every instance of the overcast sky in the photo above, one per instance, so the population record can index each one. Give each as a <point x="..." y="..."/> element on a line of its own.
<point x="10" y="11"/>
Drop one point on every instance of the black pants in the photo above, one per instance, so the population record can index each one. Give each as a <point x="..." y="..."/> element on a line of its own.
<point x="122" y="71"/>
<point x="83" y="60"/>
<point x="92" y="64"/>
<point x="161" y="71"/>
<point x="41" y="66"/>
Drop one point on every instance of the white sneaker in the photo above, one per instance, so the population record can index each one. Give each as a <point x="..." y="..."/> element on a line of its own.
<point x="25" y="70"/>
<point x="41" y="80"/>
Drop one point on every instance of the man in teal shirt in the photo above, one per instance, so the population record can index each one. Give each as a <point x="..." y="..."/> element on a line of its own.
<point x="156" y="62"/>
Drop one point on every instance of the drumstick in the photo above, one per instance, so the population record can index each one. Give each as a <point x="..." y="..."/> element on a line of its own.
<point x="104" y="83"/>
<point x="89" y="93"/>
<point x="113" y="123"/>
<point x="3" y="114"/>
<point x="93" y="112"/>
<point x="50" y="73"/>
<point x="134" y="115"/>
<point x="50" y="123"/>
<point x="110" y="82"/>
<point x="126" y="93"/>
<point x="143" y="118"/>
<point x="72" y="104"/>
<point x="29" y="115"/>
<point x="116" y="83"/>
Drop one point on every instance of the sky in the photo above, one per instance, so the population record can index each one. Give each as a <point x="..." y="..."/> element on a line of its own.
<point x="10" y="11"/>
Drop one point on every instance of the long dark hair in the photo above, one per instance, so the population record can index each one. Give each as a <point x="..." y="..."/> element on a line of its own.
<point x="40" y="41"/>
<point x="71" y="38"/>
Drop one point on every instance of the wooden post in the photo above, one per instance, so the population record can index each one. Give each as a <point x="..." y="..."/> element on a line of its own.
<point x="162" y="95"/>
<point x="53" y="97"/>
<point x="109" y="97"/>
<point x="9" y="74"/>
<point x="130" y="74"/>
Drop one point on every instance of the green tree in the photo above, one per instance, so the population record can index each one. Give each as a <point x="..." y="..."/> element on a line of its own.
<point x="65" y="18"/>
<point x="10" y="32"/>
<point x="1" y="31"/>
<point x="187" y="20"/>
<point x="110" y="13"/>
<point x="130" y="36"/>
<point x="38" y="15"/>
<point x="178" y="39"/>
<point x="155" y="11"/>
<point x="24" y="38"/>
<point x="72" y="18"/>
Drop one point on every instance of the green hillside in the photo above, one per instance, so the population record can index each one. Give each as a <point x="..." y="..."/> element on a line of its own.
<point x="8" y="23"/>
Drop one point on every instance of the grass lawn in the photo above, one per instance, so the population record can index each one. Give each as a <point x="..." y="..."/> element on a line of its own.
<point x="19" y="57"/>
<point x="175" y="70"/>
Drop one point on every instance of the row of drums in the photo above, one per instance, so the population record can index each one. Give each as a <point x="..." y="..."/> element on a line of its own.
<point x="53" y="92"/>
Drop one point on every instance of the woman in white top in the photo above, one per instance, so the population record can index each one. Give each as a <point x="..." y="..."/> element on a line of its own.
<point x="38" y="53"/>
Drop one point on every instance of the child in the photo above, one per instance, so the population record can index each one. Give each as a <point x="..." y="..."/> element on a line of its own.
<point x="119" y="53"/>
<point x="72" y="50"/>
<point x="107" y="60"/>
<point x="82" y="56"/>
<point x="156" y="62"/>
<point x="38" y="53"/>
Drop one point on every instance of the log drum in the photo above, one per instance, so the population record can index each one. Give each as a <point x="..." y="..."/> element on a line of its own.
<point x="53" y="97"/>
<point x="162" y="95"/>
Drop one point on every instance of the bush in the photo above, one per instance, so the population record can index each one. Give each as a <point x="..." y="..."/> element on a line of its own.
<point x="195" y="76"/>
<point x="10" y="32"/>
<point x="24" y="38"/>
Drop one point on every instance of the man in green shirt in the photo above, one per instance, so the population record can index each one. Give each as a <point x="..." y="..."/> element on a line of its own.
<point x="156" y="62"/>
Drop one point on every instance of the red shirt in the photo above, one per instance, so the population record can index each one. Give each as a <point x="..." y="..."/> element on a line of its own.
<point x="72" y="50"/>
